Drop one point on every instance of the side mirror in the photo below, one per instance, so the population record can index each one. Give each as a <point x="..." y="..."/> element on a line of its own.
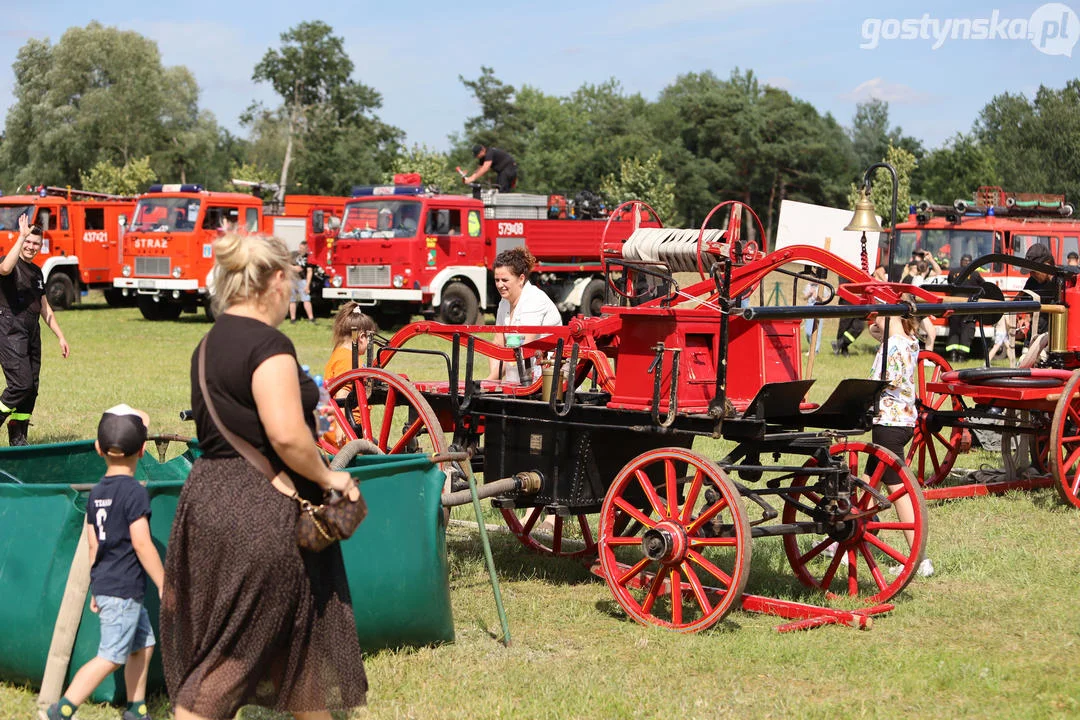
<point x="442" y="222"/>
<point x="317" y="221"/>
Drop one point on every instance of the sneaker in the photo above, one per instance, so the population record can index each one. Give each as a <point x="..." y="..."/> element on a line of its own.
<point x="50" y="713"/>
<point x="128" y="715"/>
<point x="925" y="568"/>
<point x="835" y="348"/>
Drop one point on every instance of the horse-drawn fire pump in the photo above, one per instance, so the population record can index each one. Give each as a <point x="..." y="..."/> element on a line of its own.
<point x="680" y="418"/>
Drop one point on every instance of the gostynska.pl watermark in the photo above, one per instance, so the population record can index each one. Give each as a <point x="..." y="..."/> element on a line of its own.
<point x="1053" y="29"/>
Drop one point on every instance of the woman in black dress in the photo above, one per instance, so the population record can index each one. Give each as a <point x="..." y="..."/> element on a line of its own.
<point x="247" y="618"/>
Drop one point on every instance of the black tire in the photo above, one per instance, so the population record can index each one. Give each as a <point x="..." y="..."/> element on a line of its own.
<point x="208" y="308"/>
<point x="459" y="305"/>
<point x="157" y="310"/>
<point x="115" y="297"/>
<point x="60" y="291"/>
<point x="592" y="299"/>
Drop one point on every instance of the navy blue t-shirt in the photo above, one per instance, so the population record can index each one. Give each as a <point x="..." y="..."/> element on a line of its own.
<point x="115" y="503"/>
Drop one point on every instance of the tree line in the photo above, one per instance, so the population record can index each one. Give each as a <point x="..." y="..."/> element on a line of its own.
<point x="98" y="110"/>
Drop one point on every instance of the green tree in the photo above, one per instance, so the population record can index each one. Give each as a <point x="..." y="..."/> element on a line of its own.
<point x="326" y="119"/>
<point x="871" y="135"/>
<point x="130" y="179"/>
<point x="955" y="170"/>
<point x="433" y="166"/>
<point x="646" y="181"/>
<point x="100" y="95"/>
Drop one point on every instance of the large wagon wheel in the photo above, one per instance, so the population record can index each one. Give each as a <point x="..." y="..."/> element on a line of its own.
<point x="385" y="409"/>
<point x="871" y="542"/>
<point x="1065" y="442"/>
<point x="933" y="448"/>
<point x="683" y="558"/>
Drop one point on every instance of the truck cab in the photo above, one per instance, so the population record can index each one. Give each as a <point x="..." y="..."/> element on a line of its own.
<point x="168" y="246"/>
<point x="81" y="239"/>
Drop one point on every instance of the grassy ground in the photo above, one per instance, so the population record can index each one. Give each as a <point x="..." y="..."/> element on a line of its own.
<point x="992" y="634"/>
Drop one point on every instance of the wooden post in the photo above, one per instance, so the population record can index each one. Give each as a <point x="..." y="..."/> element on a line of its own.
<point x="67" y="623"/>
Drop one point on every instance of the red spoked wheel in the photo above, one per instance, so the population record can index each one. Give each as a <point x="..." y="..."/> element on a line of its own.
<point x="569" y="537"/>
<point x="674" y="540"/>
<point x="933" y="448"/>
<point x="1065" y="442"/>
<point x="386" y="409"/>
<point x="877" y="551"/>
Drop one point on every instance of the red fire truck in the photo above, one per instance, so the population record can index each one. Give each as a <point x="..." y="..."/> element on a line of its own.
<point x="404" y="250"/>
<point x="168" y="248"/>
<point x="82" y="238"/>
<point x="994" y="222"/>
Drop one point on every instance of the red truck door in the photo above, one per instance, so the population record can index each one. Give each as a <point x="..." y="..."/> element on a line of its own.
<point x="95" y="254"/>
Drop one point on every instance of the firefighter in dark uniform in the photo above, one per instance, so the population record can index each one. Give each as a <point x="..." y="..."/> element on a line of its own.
<point x="962" y="327"/>
<point x="22" y="302"/>
<point x="504" y="165"/>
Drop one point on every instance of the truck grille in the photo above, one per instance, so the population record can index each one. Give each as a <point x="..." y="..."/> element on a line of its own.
<point x="152" y="266"/>
<point x="368" y="275"/>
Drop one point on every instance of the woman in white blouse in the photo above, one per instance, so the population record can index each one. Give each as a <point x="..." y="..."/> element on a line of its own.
<point x="523" y="304"/>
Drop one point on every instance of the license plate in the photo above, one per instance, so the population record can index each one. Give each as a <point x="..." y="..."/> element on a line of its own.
<point x="362" y="294"/>
<point x="146" y="284"/>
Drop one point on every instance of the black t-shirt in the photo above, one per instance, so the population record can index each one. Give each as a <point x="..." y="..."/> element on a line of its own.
<point x="1048" y="295"/>
<point x="235" y="347"/>
<point x="21" y="291"/>
<point x="500" y="159"/>
<point x="116" y="502"/>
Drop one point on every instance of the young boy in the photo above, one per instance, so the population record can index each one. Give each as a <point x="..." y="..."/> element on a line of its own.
<point x="123" y="555"/>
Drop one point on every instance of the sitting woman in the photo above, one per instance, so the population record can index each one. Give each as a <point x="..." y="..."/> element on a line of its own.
<point x="522" y="304"/>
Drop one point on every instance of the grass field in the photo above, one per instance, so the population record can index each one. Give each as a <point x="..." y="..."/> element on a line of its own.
<point x="992" y="634"/>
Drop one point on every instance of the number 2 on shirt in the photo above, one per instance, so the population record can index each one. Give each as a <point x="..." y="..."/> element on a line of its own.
<point x="99" y="518"/>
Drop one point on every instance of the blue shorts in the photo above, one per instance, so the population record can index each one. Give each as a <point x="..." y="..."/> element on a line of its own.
<point x="299" y="292"/>
<point x="125" y="628"/>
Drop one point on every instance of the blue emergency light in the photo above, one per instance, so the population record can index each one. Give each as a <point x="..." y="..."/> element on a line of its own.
<point x="187" y="187"/>
<point x="361" y="190"/>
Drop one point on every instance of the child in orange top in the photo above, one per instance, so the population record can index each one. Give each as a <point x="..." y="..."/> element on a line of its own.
<point x="350" y="320"/>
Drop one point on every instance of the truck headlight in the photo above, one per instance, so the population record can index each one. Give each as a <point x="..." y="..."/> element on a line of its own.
<point x="399" y="281"/>
<point x="336" y="281"/>
<point x="177" y="272"/>
<point x="126" y="271"/>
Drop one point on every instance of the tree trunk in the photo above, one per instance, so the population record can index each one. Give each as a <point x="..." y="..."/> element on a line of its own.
<point x="279" y="196"/>
<point x="769" y="213"/>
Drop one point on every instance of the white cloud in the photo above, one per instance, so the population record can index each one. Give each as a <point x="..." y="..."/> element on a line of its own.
<point x="892" y="93"/>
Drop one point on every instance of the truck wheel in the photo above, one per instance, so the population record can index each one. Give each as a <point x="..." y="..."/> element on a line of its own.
<point x="592" y="299"/>
<point x="154" y="311"/>
<point x="60" y="291"/>
<point x="459" y="305"/>
<point x="208" y="308"/>
<point x="114" y="297"/>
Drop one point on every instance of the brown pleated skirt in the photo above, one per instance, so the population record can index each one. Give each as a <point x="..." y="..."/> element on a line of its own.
<point x="247" y="618"/>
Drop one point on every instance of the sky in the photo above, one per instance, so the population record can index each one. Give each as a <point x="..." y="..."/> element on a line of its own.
<point x="831" y="54"/>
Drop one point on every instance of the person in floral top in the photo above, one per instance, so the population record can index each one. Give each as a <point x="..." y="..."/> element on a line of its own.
<point x="894" y="424"/>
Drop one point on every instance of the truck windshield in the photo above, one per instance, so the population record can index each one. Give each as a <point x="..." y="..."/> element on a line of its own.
<point x="381" y="219"/>
<point x="165" y="215"/>
<point x="947" y="246"/>
<point x="9" y="215"/>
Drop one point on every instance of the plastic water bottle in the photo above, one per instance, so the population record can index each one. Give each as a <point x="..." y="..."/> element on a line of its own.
<point x="322" y="410"/>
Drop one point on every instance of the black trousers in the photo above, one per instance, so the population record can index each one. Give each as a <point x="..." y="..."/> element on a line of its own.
<point x="848" y="329"/>
<point x="507" y="178"/>
<point x="961" y="333"/>
<point x="20" y="357"/>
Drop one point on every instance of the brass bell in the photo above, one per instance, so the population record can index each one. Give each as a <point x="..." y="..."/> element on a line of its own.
<point x="865" y="218"/>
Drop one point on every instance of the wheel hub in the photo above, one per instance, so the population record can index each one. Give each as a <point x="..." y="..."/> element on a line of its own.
<point x="666" y="543"/>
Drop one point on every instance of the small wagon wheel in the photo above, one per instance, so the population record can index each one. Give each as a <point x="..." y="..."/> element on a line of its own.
<point x="1065" y="442"/>
<point x="876" y="554"/>
<point x="933" y="448"/>
<point x="387" y="410"/>
<point x="682" y="561"/>
<point x="570" y="537"/>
